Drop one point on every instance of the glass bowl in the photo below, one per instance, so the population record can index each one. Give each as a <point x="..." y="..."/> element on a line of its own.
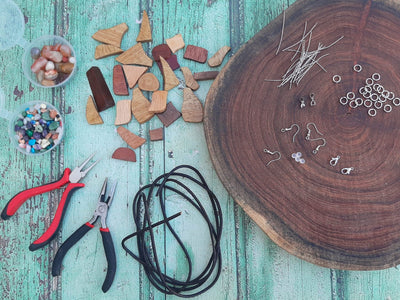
<point x="46" y="137"/>
<point x="46" y="70"/>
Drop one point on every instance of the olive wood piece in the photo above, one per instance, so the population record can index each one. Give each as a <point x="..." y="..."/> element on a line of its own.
<point x="189" y="80"/>
<point x="175" y="43"/>
<point x="123" y="112"/>
<point x="104" y="50"/>
<point x="196" y="53"/>
<point x="158" y="102"/>
<point x="112" y="36"/>
<point x="170" y="115"/>
<point x="145" y="29"/>
<point x="124" y="153"/>
<point x="312" y="210"/>
<point x="207" y="75"/>
<point x="120" y="86"/>
<point x="92" y="115"/>
<point x="140" y="106"/>
<point x="133" y="73"/>
<point x="135" y="56"/>
<point x="130" y="138"/>
<point x="101" y="94"/>
<point x="156" y="134"/>
<point x="218" y="57"/>
<point x="149" y="82"/>
<point x="192" y="108"/>
<point x="170" y="79"/>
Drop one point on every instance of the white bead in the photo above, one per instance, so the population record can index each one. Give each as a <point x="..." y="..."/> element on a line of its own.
<point x="49" y="66"/>
<point x="72" y="60"/>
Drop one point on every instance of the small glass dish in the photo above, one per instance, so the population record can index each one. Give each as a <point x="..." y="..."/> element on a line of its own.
<point x="54" y="64"/>
<point x="46" y="138"/>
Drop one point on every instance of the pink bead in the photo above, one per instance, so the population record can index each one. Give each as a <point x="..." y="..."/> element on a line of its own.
<point x="39" y="64"/>
<point x="65" y="50"/>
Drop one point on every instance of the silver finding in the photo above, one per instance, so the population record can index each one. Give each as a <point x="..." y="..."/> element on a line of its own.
<point x="391" y="96"/>
<point x="350" y="95"/>
<point x="353" y="104"/>
<point x="334" y="160"/>
<point x="359" y="101"/>
<point x="308" y="136"/>
<point x="344" y="100"/>
<point x="378" y="105"/>
<point x="372" y="112"/>
<point x="374" y="97"/>
<point x="376" y="76"/>
<point x="369" y="81"/>
<point x="290" y="128"/>
<point x="387" y="108"/>
<point x="302" y="103"/>
<point x="357" y="68"/>
<point x="396" y="101"/>
<point x="368" y="103"/>
<point x="346" y="171"/>
<point x="336" y="78"/>
<point x="367" y="88"/>
<point x="272" y="153"/>
<point x="315" y="151"/>
<point x="312" y="97"/>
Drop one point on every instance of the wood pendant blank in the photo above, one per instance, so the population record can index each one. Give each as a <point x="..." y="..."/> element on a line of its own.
<point x="218" y="57"/>
<point x="196" y="53"/>
<point x="149" y="82"/>
<point x="104" y="50"/>
<point x="156" y="134"/>
<point x="119" y="82"/>
<point x="100" y="91"/>
<point x="145" y="29"/>
<point x="192" y="108"/>
<point x="158" y="102"/>
<point x="170" y="79"/>
<point x="140" y="107"/>
<point x="207" y="75"/>
<point x="112" y="36"/>
<point x="170" y="115"/>
<point x="189" y="80"/>
<point x="135" y="56"/>
<point x="175" y="43"/>
<point x="161" y="51"/>
<point x="130" y="138"/>
<point x="133" y="73"/>
<point x="124" y="113"/>
<point x="92" y="115"/>
<point x="124" y="153"/>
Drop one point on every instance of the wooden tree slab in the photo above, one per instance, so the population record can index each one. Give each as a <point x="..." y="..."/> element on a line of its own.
<point x="140" y="107"/>
<point x="312" y="210"/>
<point x="130" y="138"/>
<point x="145" y="29"/>
<point x="112" y="36"/>
<point x="135" y="56"/>
<point x="123" y="112"/>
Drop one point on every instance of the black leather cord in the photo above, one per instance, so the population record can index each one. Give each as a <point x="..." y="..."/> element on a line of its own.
<point x="147" y="253"/>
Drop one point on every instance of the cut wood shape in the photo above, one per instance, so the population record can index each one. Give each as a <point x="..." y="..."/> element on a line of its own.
<point x="189" y="80"/>
<point x="100" y="91"/>
<point x="172" y="61"/>
<point x="145" y="29"/>
<point x="135" y="56"/>
<point x="161" y="51"/>
<point x="170" y="79"/>
<point x="156" y="134"/>
<point x="140" y="107"/>
<point x="92" y="115"/>
<point x="130" y="138"/>
<point x="207" y="75"/>
<point x="158" y="102"/>
<point x="124" y="113"/>
<point x="111" y="36"/>
<point x="175" y="43"/>
<point x="148" y="82"/>
<point x="170" y="115"/>
<point x="104" y="50"/>
<point x="124" y="153"/>
<point x="119" y="82"/>
<point x="133" y="73"/>
<point x="218" y="57"/>
<point x="196" y="53"/>
<point x="192" y="108"/>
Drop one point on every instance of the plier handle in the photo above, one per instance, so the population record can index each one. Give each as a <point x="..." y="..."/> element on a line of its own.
<point x="69" y="178"/>
<point x="100" y="212"/>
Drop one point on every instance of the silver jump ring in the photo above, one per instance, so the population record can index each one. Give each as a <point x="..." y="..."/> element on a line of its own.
<point x="391" y="96"/>
<point x="368" y="88"/>
<point x="344" y="100"/>
<point x="350" y="95"/>
<point x="372" y="112"/>
<point x="387" y="108"/>
<point x="376" y="76"/>
<point x="357" y="68"/>
<point x="368" y="103"/>
<point x="359" y="101"/>
<point x="385" y="93"/>
<point x="336" y="78"/>
<point x="396" y="101"/>
<point x="378" y="105"/>
<point x="374" y="97"/>
<point x="353" y="104"/>
<point x="369" y="81"/>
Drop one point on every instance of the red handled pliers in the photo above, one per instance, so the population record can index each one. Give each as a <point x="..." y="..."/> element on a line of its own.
<point x="100" y="212"/>
<point x="69" y="178"/>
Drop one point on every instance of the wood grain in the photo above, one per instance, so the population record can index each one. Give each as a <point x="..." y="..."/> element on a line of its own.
<point x="312" y="210"/>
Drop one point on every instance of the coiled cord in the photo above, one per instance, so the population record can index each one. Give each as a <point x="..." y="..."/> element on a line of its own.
<point x="147" y="255"/>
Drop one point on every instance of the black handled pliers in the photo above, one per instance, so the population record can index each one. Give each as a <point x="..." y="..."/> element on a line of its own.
<point x="100" y="212"/>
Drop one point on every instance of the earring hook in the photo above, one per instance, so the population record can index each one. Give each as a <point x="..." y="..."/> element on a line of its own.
<point x="290" y="128"/>
<point x="273" y="153"/>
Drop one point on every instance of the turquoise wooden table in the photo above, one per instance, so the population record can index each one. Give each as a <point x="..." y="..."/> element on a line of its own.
<point x="253" y="267"/>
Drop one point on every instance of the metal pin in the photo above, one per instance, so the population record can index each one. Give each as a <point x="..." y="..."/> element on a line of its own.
<point x="346" y="171"/>
<point x="272" y="153"/>
<point x="312" y="97"/>
<point x="290" y="128"/>
<point x="302" y="103"/>
<point x="334" y="161"/>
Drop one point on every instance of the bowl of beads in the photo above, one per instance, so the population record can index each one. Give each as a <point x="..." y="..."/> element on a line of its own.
<point x="36" y="128"/>
<point x="49" y="61"/>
